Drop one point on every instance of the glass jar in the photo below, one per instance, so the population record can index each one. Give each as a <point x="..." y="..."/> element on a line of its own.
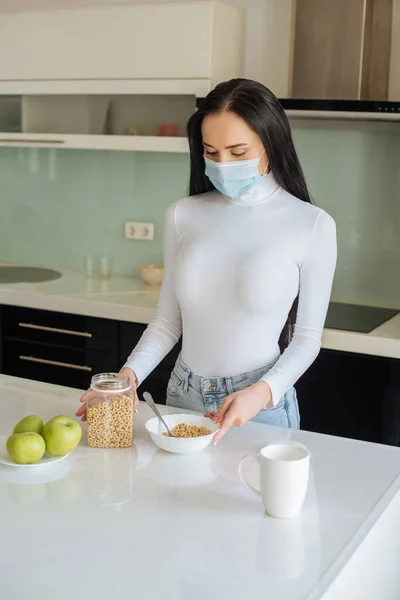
<point x="109" y="406"/>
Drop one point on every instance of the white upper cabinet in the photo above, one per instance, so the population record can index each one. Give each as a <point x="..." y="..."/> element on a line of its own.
<point x="164" y="48"/>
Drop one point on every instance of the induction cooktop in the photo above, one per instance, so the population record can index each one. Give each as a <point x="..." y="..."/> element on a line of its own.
<point x="11" y="274"/>
<point x="352" y="317"/>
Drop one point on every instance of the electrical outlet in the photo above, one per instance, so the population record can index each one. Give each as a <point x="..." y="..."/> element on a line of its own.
<point x="139" y="231"/>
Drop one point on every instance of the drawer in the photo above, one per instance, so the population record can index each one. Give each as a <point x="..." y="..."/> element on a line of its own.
<point x="60" y="329"/>
<point x="62" y="366"/>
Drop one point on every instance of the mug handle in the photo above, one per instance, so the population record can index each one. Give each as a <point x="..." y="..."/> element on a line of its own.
<point x="242" y="479"/>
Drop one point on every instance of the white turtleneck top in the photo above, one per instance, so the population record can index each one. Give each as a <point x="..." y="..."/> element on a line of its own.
<point x="232" y="270"/>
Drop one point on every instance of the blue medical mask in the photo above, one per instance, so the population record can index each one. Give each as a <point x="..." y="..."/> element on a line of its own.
<point x="234" y="178"/>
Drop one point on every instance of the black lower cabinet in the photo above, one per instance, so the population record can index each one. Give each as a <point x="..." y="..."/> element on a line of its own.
<point x="68" y="350"/>
<point x="57" y="347"/>
<point x="60" y="329"/>
<point x="156" y="383"/>
<point x="349" y="395"/>
<point x="391" y="406"/>
<point x="52" y="364"/>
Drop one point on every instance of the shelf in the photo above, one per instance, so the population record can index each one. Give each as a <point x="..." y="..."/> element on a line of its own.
<point x="339" y="115"/>
<point x="96" y="142"/>
<point x="192" y="87"/>
<point x="165" y="144"/>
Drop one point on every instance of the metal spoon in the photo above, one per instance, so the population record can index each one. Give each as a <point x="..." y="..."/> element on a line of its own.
<point x="147" y="397"/>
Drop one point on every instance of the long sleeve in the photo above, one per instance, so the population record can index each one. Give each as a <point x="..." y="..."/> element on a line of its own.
<point x="165" y="329"/>
<point x="316" y="277"/>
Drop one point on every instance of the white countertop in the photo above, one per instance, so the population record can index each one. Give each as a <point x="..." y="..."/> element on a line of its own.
<point x="142" y="523"/>
<point x="128" y="299"/>
<point x="121" y="298"/>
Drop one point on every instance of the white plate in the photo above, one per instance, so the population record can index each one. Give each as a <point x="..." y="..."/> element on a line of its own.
<point x="46" y="460"/>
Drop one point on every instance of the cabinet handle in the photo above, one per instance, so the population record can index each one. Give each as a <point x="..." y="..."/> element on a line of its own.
<point x="30" y="141"/>
<point x="84" y="334"/>
<point x="54" y="363"/>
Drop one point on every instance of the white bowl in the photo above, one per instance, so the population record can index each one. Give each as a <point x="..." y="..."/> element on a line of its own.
<point x="181" y="445"/>
<point x="151" y="274"/>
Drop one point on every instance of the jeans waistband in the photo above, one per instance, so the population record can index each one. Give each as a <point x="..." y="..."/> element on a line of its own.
<point x="218" y="384"/>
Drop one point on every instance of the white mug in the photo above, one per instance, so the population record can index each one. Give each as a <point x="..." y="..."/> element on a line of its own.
<point x="284" y="473"/>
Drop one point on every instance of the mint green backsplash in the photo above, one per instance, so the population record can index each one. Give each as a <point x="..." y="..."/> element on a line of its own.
<point x="355" y="176"/>
<point x="59" y="205"/>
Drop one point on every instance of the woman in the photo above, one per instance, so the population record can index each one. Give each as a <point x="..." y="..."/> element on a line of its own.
<point x="249" y="263"/>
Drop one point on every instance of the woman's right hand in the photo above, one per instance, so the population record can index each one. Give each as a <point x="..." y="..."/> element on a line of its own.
<point x="126" y="372"/>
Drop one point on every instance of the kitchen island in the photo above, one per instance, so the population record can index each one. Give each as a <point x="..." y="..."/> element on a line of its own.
<point x="140" y="523"/>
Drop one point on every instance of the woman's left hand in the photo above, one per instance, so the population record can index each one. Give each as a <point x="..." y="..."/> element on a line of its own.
<point x="240" y="407"/>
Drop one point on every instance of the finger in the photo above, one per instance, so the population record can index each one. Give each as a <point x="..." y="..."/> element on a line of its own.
<point x="85" y="398"/>
<point x="84" y="418"/>
<point x="212" y="417"/>
<point x="133" y="383"/>
<point x="225" y="426"/>
<point x="136" y="404"/>
<point x="81" y="411"/>
<point x="217" y="419"/>
<point x="88" y="396"/>
<point x="223" y="409"/>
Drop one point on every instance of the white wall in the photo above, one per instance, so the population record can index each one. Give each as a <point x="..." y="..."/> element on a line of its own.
<point x="268" y="33"/>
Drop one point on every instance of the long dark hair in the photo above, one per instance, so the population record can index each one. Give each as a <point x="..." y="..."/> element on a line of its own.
<point x="261" y="110"/>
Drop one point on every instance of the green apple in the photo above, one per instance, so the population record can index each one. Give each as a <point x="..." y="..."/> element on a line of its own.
<point x="25" y="448"/>
<point x="31" y="423"/>
<point x="61" y="435"/>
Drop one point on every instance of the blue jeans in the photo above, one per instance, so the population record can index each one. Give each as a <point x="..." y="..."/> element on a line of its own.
<point x="189" y="391"/>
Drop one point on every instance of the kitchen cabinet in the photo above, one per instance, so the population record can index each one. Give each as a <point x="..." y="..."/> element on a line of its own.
<point x="60" y="329"/>
<point x="391" y="406"/>
<point x="56" y="347"/>
<point x="172" y="48"/>
<point x="343" y="50"/>
<point x="345" y="394"/>
<point x="55" y="364"/>
<point x="114" y="74"/>
<point x="68" y="349"/>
